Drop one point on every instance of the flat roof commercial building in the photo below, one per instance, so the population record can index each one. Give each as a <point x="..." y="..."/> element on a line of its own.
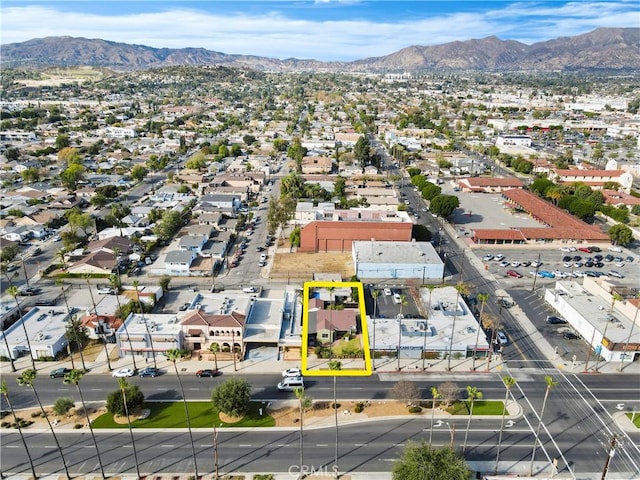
<point x="378" y="259"/>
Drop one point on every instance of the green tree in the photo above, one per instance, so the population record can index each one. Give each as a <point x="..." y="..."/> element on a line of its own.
<point x="508" y="383"/>
<point x="138" y="172"/>
<point x="173" y="355"/>
<point x="620" y="234"/>
<point x="232" y="397"/>
<point x="444" y="205"/>
<point x="9" y="252"/>
<point x="169" y="225"/>
<point x="62" y="141"/>
<point x="72" y="175"/>
<point x="294" y="237"/>
<point x="5" y="392"/>
<point x="98" y="200"/>
<point x="27" y="379"/>
<point x="297" y="152"/>
<point x="215" y="348"/>
<point x="362" y="151"/>
<point x="62" y="405"/>
<point x="550" y="384"/>
<point x="30" y="175"/>
<point x="74" y="377"/>
<point x="473" y="394"/>
<point x="116" y="400"/>
<point x="164" y="282"/>
<point x="420" y="461"/>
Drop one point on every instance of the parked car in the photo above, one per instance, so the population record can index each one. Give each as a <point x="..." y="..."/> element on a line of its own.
<point x="595" y="249"/>
<point x="487" y="258"/>
<point x="536" y="264"/>
<point x="615" y="273"/>
<point x="397" y="298"/>
<point x="502" y="338"/>
<point x="207" y="372"/>
<point x="514" y="274"/>
<point x="615" y="248"/>
<point x="292" y="372"/>
<point x="387" y="291"/>
<point x="107" y="291"/>
<point x="505" y="303"/>
<point x="250" y="289"/>
<point x="498" y="257"/>
<point x="570" y="335"/>
<point x="123" y="372"/>
<point x="184" y="306"/>
<point x="149" y="372"/>
<point x="504" y="264"/>
<point x="59" y="372"/>
<point x="585" y="249"/>
<point x="553" y="320"/>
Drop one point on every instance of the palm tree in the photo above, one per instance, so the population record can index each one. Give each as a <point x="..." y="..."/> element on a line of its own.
<point x="5" y="391"/>
<point x="472" y="393"/>
<point x="13" y="291"/>
<point x="304" y="402"/>
<point x="144" y="320"/>
<point x="331" y="339"/>
<point x="74" y="377"/>
<point x="460" y="289"/>
<point x="174" y="354"/>
<point x="9" y="353"/>
<point x="114" y="280"/>
<point x="435" y="395"/>
<point x="482" y="297"/>
<point x="508" y="383"/>
<point x="403" y="301"/>
<point x="27" y="378"/>
<point x="431" y="288"/>
<point x="550" y="384"/>
<point x="75" y="338"/>
<point x="215" y="348"/>
<point x="336" y="366"/>
<point x="95" y="312"/>
<point x="375" y="294"/>
<point x="489" y="321"/>
<point x="123" y="385"/>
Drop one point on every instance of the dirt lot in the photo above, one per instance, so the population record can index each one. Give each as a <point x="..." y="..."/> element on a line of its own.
<point x="304" y="265"/>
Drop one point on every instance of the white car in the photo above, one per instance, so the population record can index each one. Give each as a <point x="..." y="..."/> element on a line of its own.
<point x="498" y="257"/>
<point x="387" y="291"/>
<point x="292" y="372"/>
<point x="123" y="372"/>
<point x="502" y="338"/>
<point x="515" y="264"/>
<point x="487" y="258"/>
<point x="106" y="291"/>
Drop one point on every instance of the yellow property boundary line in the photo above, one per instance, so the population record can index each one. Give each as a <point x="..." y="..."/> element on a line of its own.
<point x="366" y="371"/>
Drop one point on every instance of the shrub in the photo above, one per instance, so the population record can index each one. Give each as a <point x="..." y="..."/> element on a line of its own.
<point x="62" y="405"/>
<point x="135" y="400"/>
<point x="335" y="406"/>
<point x="232" y="397"/>
<point x="78" y="426"/>
<point x="415" y="409"/>
<point x="359" y="407"/>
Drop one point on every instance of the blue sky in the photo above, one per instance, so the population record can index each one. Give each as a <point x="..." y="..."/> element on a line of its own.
<point x="321" y="29"/>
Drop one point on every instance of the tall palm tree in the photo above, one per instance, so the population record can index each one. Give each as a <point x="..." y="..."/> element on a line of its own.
<point x="304" y="402"/>
<point x="435" y="395"/>
<point x="9" y="353"/>
<point x="508" y="383"/>
<point x="489" y="321"/>
<point x="550" y="384"/>
<point x="13" y="291"/>
<point x="403" y="301"/>
<point x="331" y="339"/>
<point x="472" y="393"/>
<point x="482" y="297"/>
<point x="215" y="348"/>
<point x="27" y="379"/>
<point x="71" y="333"/>
<point x="173" y="355"/>
<point x="74" y="377"/>
<point x="375" y="294"/>
<point x="144" y="320"/>
<point x="461" y="288"/>
<point x="336" y="366"/>
<point x="123" y="385"/>
<point x="5" y="391"/>
<point x="114" y="280"/>
<point x="95" y="312"/>
<point x="431" y="288"/>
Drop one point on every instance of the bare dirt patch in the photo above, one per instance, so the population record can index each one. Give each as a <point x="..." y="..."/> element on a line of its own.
<point x="322" y="412"/>
<point x="229" y="418"/>
<point x="304" y="265"/>
<point x="75" y="417"/>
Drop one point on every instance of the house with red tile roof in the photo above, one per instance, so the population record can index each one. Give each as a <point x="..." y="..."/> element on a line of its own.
<point x="489" y="184"/>
<point x="556" y="225"/>
<point x="596" y="179"/>
<point x="202" y="329"/>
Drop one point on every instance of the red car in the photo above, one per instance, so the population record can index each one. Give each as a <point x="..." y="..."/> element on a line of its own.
<point x="585" y="249"/>
<point x="514" y="274"/>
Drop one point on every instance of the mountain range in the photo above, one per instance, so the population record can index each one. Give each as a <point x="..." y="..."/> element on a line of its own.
<point x="601" y="49"/>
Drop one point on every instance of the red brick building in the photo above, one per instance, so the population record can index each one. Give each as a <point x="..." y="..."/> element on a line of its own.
<point x="336" y="236"/>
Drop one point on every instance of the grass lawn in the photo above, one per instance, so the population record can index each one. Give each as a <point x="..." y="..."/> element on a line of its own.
<point x="636" y="418"/>
<point x="352" y="345"/>
<point x="480" y="407"/>
<point x="201" y="414"/>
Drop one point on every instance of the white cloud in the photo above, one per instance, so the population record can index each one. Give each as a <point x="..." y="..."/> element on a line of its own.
<point x="273" y="34"/>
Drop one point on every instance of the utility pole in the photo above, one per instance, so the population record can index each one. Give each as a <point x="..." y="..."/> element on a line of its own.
<point x="535" y="277"/>
<point x="612" y="451"/>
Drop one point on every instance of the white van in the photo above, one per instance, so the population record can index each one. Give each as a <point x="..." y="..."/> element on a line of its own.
<point x="289" y="384"/>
